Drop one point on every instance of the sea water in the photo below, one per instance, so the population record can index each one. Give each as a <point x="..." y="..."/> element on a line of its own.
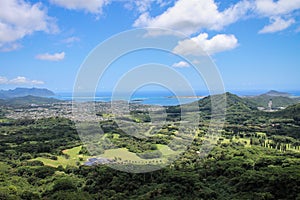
<point x="163" y="98"/>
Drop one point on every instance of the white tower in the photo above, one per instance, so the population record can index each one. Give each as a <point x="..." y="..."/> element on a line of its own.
<point x="270" y="104"/>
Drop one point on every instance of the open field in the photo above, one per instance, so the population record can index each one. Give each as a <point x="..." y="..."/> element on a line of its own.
<point x="123" y="155"/>
<point x="71" y="157"/>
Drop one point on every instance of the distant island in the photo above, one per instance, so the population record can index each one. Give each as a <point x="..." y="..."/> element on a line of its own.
<point x="22" y="92"/>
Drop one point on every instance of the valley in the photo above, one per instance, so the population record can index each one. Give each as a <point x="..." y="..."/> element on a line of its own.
<point x="256" y="154"/>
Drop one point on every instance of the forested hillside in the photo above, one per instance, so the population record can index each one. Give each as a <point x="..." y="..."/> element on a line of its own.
<point x="256" y="157"/>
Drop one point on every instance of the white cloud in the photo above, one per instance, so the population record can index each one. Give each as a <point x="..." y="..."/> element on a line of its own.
<point x="70" y="40"/>
<point x="36" y="82"/>
<point x="200" y="43"/>
<point x="276" y="25"/>
<point x="91" y="6"/>
<point x="280" y="7"/>
<point x="3" y="80"/>
<point x="10" y="47"/>
<point x="181" y="64"/>
<point x="277" y="11"/>
<point x="145" y="5"/>
<point x="193" y="15"/>
<point x="20" y="80"/>
<point x="51" y="57"/>
<point x="19" y="18"/>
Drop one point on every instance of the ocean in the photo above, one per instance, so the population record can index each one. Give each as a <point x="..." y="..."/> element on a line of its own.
<point x="148" y="98"/>
<point x="162" y="98"/>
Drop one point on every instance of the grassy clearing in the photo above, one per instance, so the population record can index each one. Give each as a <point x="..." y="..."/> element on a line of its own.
<point x="3" y="120"/>
<point x="72" y="158"/>
<point x="165" y="150"/>
<point x="123" y="155"/>
<point x="72" y="152"/>
<point x="116" y="136"/>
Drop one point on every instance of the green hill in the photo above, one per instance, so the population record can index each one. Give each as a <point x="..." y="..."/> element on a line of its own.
<point x="234" y="104"/>
<point x="290" y="112"/>
<point x="277" y="101"/>
<point x="28" y="100"/>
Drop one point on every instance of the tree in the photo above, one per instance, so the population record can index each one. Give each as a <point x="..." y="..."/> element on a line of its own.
<point x="64" y="184"/>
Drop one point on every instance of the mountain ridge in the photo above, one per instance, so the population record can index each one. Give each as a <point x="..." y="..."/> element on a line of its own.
<point x="275" y="93"/>
<point x="279" y="99"/>
<point x="22" y="92"/>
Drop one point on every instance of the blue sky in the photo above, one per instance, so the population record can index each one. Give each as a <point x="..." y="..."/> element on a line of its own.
<point x="254" y="43"/>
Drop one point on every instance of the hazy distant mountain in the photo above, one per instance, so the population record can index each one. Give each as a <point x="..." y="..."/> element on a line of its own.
<point x="275" y="93"/>
<point x="21" y="92"/>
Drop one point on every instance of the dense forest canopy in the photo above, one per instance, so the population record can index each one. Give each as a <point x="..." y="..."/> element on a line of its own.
<point x="256" y="157"/>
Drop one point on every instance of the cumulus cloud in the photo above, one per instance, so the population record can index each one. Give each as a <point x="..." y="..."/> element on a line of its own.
<point x="277" y="11"/>
<point x="91" y="6"/>
<point x="19" y="18"/>
<point x="280" y="7"/>
<point x="194" y="15"/>
<point x="20" y="80"/>
<point x="200" y="44"/>
<point x="181" y="64"/>
<point x="277" y="24"/>
<point x="51" y="57"/>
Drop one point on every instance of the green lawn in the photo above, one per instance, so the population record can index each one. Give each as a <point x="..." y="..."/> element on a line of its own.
<point x="3" y="120"/>
<point x="122" y="154"/>
<point x="73" y="160"/>
<point x="165" y="150"/>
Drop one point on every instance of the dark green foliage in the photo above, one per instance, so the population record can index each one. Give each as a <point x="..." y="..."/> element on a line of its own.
<point x="40" y="136"/>
<point x="28" y="101"/>
<point x="64" y="184"/>
<point x="2" y="113"/>
<point x="140" y="116"/>
<point x="69" y="195"/>
<point x="150" y="154"/>
<point x="27" y="195"/>
<point x="232" y="170"/>
<point x="44" y="171"/>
